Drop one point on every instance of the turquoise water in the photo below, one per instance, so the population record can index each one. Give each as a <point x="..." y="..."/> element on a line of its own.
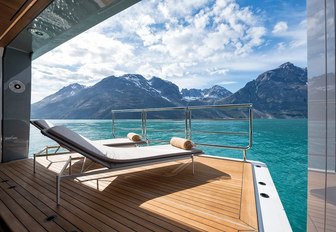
<point x="281" y="144"/>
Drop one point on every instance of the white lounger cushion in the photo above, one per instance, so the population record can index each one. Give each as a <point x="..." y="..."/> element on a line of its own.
<point x="72" y="140"/>
<point x="43" y="125"/>
<point x="117" y="142"/>
<point x="120" y="155"/>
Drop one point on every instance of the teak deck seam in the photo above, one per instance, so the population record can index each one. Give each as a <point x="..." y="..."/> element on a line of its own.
<point x="217" y="198"/>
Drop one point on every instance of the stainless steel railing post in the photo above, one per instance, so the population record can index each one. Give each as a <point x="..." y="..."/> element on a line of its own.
<point x="113" y="125"/>
<point x="186" y="130"/>
<point x="250" y="126"/>
<point x="144" y="125"/>
<point x="190" y="128"/>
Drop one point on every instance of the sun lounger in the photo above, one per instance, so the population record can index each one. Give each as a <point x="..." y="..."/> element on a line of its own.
<point x="114" y="158"/>
<point x="43" y="125"/>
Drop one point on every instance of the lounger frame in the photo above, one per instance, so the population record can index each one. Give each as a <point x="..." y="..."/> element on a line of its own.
<point x="44" y="125"/>
<point x="109" y="165"/>
<point x="68" y="164"/>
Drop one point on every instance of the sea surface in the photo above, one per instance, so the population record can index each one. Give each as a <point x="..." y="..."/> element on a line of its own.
<point x="280" y="143"/>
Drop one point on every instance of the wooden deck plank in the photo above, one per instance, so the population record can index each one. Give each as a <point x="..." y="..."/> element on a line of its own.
<point x="178" y="203"/>
<point x="90" y="212"/>
<point x="317" y="204"/>
<point x="248" y="211"/>
<point x="106" y="207"/>
<point x="24" y="217"/>
<point x="187" y="217"/>
<point x="121" y="203"/>
<point x="11" y="189"/>
<point x="187" y="182"/>
<point x="139" y="198"/>
<point x="44" y="208"/>
<point x="185" y="198"/>
<point x="177" y="209"/>
<point x="8" y="216"/>
<point x="147" y="179"/>
<point x="153" y="198"/>
<point x="94" y="196"/>
<point x="49" y="198"/>
<point x="109" y="197"/>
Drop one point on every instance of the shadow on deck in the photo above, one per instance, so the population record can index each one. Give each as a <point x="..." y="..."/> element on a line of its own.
<point x="161" y="197"/>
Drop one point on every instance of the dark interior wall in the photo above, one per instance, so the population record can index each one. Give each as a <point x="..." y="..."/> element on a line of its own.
<point x="1" y="78"/>
<point x="16" y="98"/>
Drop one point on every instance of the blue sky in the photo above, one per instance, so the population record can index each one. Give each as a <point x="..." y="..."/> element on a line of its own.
<point x="194" y="44"/>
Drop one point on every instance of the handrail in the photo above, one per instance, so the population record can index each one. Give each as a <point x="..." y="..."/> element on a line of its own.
<point x="188" y="123"/>
<point x="232" y="106"/>
<point x="221" y="132"/>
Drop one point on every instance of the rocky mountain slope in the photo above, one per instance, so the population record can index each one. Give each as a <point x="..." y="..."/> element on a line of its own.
<point x="216" y="92"/>
<point x="278" y="93"/>
<point x="128" y="91"/>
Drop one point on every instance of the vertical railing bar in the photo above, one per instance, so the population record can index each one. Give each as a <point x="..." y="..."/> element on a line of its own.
<point x="142" y="125"/>
<point x="186" y="131"/>
<point x="190" y="126"/>
<point x="250" y="126"/>
<point x="145" y="126"/>
<point x="113" y="125"/>
<point x="188" y="122"/>
<point x="244" y="154"/>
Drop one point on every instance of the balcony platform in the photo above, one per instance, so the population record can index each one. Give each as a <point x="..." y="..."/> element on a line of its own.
<point x="162" y="197"/>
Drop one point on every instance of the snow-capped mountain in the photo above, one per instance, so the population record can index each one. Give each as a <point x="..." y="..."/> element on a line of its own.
<point x="215" y="92"/>
<point x="277" y="93"/>
<point x="280" y="93"/>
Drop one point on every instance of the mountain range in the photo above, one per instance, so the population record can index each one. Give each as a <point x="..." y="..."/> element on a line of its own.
<point x="277" y="93"/>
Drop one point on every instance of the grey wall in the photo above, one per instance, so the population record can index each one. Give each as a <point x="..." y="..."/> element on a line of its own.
<point x="321" y="116"/>
<point x="16" y="91"/>
<point x="1" y="78"/>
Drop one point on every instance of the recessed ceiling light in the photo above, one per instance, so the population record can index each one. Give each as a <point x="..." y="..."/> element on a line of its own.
<point x="38" y="33"/>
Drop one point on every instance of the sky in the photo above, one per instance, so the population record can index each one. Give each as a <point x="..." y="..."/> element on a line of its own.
<point x="194" y="44"/>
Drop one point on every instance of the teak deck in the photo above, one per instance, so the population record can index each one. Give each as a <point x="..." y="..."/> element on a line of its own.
<point x="162" y="197"/>
<point x="317" y="207"/>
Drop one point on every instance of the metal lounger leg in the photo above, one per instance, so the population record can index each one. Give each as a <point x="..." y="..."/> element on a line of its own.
<point x="47" y="152"/>
<point x="34" y="163"/>
<point x="58" y="189"/>
<point x="88" y="166"/>
<point x="58" y="181"/>
<point x="70" y="166"/>
<point x="83" y="165"/>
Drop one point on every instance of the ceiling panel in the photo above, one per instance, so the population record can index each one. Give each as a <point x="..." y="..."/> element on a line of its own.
<point x="64" y="19"/>
<point x="14" y="4"/>
<point x="15" y="15"/>
<point x="6" y="13"/>
<point x="41" y="25"/>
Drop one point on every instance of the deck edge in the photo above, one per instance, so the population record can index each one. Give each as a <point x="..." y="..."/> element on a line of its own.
<point x="271" y="213"/>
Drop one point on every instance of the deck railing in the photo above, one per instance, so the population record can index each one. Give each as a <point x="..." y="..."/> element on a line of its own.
<point x="189" y="115"/>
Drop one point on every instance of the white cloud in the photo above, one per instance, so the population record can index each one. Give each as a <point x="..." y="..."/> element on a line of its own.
<point x="191" y="43"/>
<point x="281" y="46"/>
<point x="280" y="27"/>
<point x="294" y="38"/>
